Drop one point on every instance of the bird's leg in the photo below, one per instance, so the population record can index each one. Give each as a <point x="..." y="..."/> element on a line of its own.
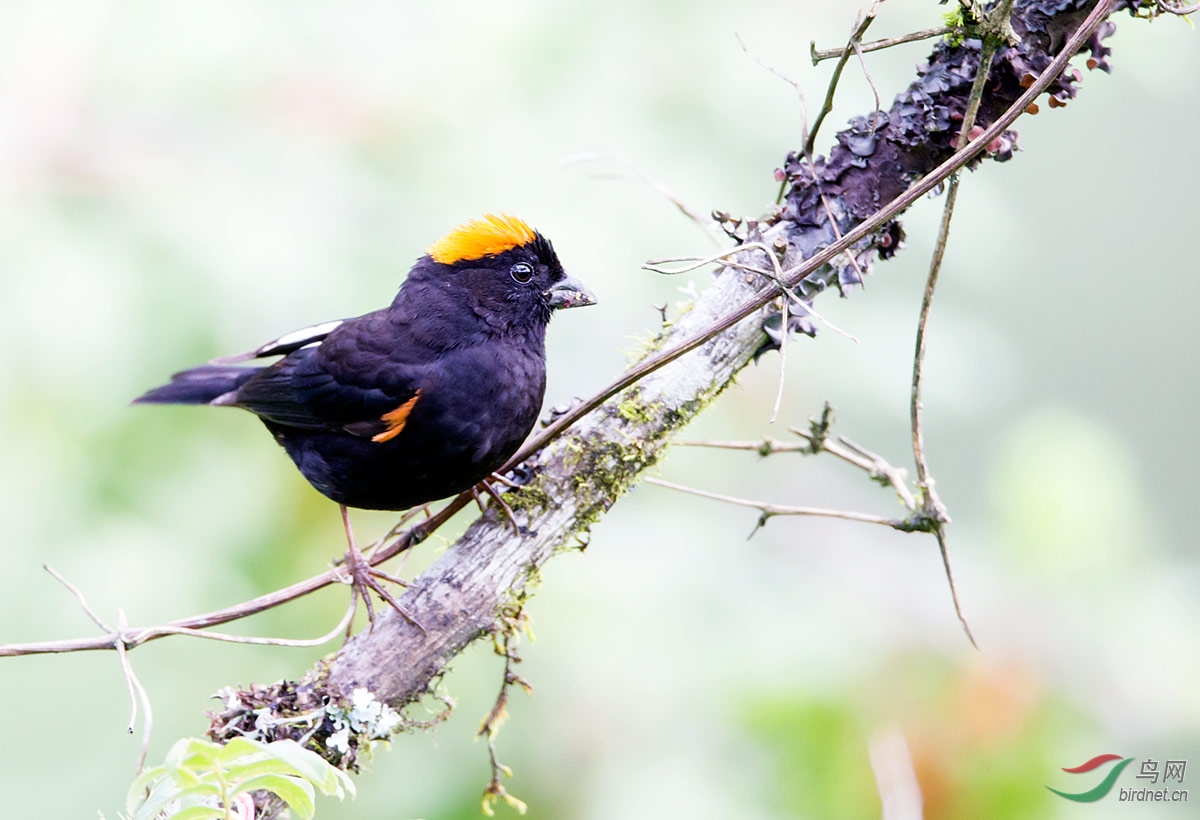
<point x="505" y="480"/>
<point x="364" y="577"/>
<point x="397" y="529"/>
<point x="490" y="490"/>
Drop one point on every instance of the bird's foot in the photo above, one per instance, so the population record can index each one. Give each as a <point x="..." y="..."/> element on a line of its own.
<point x="357" y="571"/>
<point x="486" y="487"/>
<point x="364" y="578"/>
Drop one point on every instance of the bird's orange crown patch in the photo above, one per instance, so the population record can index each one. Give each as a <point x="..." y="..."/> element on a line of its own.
<point x="488" y="236"/>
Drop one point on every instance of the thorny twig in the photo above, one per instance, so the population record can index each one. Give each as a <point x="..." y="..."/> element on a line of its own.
<point x="704" y="223"/>
<point x="860" y="28"/>
<point x="769" y="510"/>
<point x="817" y="440"/>
<point x="994" y="33"/>
<point x="804" y="138"/>
<point x="862" y="61"/>
<point x="819" y="55"/>
<point x="799" y="94"/>
<point x="777" y="276"/>
<point x="844" y="448"/>
<point x="650" y="364"/>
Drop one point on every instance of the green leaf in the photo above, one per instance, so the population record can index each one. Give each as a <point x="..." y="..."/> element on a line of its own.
<point x="161" y="793"/>
<point x="198" y="787"/>
<point x="241" y="747"/>
<point x="253" y="767"/>
<point x="312" y="767"/>
<point x="192" y="753"/>
<point x="297" y="793"/>
<point x="146" y="780"/>
<point x="199" y="813"/>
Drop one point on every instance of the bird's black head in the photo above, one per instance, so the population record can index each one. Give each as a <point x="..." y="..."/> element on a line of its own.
<point x="506" y="273"/>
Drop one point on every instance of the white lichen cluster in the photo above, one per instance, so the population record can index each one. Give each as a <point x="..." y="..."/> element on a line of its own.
<point x="367" y="717"/>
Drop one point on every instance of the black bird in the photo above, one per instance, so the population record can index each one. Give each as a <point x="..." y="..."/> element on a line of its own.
<point x="415" y="402"/>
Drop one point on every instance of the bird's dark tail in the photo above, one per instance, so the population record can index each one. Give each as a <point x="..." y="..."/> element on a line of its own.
<point x="206" y="384"/>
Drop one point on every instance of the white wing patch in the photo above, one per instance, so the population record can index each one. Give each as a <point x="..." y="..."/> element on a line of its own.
<point x="301" y="338"/>
<point x="305" y="337"/>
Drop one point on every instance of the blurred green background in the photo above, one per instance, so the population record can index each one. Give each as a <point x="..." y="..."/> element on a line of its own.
<point x="184" y="180"/>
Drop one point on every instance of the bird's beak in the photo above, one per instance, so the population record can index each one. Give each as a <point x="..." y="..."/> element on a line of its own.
<point x="569" y="293"/>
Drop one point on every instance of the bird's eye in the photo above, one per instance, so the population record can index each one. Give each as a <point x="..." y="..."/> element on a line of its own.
<point x="522" y="272"/>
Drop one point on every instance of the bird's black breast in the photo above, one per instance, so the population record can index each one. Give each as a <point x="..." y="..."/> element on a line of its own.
<point x="468" y="410"/>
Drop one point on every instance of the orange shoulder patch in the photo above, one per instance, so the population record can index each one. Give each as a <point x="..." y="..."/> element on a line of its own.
<point x="395" y="420"/>
<point x="488" y="236"/>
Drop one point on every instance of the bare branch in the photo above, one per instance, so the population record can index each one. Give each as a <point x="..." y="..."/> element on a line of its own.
<point x="847" y="450"/>
<point x="819" y="55"/>
<point x="860" y="28"/>
<point x="127" y="638"/>
<point x="632" y="170"/>
<point x="83" y="604"/>
<point x="1171" y="7"/>
<point x="769" y="510"/>
<point x="996" y="30"/>
<point x="729" y="257"/>
<point x="137" y="695"/>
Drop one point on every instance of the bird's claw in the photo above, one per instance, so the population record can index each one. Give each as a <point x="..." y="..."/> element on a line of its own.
<point x="357" y="571"/>
<point x="486" y="486"/>
<point x="364" y="579"/>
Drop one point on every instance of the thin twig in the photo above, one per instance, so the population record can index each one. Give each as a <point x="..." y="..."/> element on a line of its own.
<point x="697" y="262"/>
<point x="83" y="604"/>
<point x="939" y="532"/>
<point x="704" y="223"/>
<point x="862" y="61"/>
<point x="1170" y="8"/>
<point x="256" y="640"/>
<point x="799" y="94"/>
<point x="131" y="638"/>
<point x="799" y="89"/>
<point x="137" y="693"/>
<point x="860" y="28"/>
<point x="848" y="451"/>
<point x="810" y="140"/>
<point x="932" y="506"/>
<point x="837" y="231"/>
<point x="766" y="447"/>
<point x="784" y="333"/>
<point x="770" y="510"/>
<point x="820" y="55"/>
<point x="875" y="465"/>
<point x="915" y="407"/>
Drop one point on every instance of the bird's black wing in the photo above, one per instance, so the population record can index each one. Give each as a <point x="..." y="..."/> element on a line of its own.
<point x="220" y="381"/>
<point x="285" y="344"/>
<point x="362" y="376"/>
